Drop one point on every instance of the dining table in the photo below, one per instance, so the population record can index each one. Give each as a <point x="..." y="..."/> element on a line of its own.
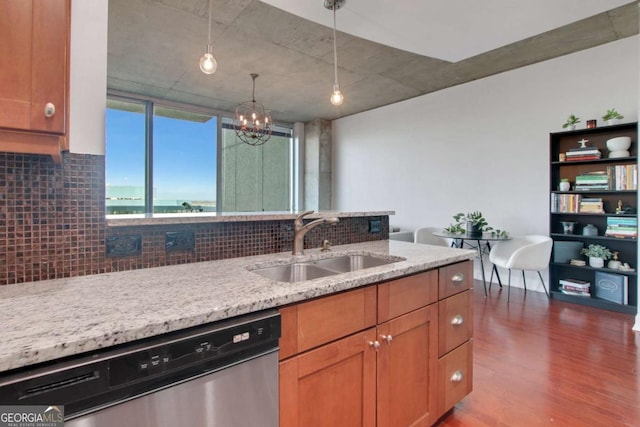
<point x="481" y="242"/>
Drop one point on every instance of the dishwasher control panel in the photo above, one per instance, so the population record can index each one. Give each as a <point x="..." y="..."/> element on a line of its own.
<point x="180" y="353"/>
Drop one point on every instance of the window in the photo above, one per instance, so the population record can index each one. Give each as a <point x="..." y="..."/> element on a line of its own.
<point x="164" y="159"/>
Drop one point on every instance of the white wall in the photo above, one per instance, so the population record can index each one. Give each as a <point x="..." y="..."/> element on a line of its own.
<point x="88" y="88"/>
<point x="481" y="146"/>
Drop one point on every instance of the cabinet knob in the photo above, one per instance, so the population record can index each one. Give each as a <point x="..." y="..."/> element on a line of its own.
<point x="374" y="344"/>
<point x="49" y="109"/>
<point x="457" y="278"/>
<point x="387" y="338"/>
<point x="456" y="377"/>
<point x="458" y="320"/>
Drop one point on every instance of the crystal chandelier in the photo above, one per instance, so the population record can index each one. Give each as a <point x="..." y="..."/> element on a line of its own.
<point x="208" y="63"/>
<point x="251" y="121"/>
<point x="336" y="96"/>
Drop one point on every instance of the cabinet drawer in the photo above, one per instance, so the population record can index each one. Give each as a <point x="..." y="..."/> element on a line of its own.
<point x="313" y="323"/>
<point x="455" y="377"/>
<point x="455" y="321"/>
<point x="406" y="294"/>
<point x="455" y="278"/>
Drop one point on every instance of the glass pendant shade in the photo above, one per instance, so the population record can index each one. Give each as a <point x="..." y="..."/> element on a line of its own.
<point x="336" y="96"/>
<point x="208" y="63"/>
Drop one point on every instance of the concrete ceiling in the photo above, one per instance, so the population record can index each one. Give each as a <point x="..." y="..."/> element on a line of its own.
<point x="384" y="55"/>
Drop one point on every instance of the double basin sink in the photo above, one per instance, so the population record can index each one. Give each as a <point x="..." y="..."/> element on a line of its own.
<point x="316" y="269"/>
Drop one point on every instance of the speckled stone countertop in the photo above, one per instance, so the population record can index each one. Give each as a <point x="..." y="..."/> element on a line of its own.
<point x="46" y="320"/>
<point x="206" y="217"/>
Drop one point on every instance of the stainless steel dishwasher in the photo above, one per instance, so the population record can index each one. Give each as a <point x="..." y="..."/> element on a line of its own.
<point x="224" y="374"/>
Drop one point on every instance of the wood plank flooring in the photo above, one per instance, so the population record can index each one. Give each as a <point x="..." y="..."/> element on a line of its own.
<point x="549" y="364"/>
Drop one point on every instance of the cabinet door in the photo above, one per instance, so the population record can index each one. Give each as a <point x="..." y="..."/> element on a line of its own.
<point x="333" y="385"/>
<point x="407" y="369"/>
<point x="455" y="377"/>
<point x="33" y="64"/>
<point x="406" y="294"/>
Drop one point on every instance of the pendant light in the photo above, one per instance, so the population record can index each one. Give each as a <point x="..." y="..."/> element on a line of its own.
<point x="336" y="96"/>
<point x="208" y="63"/>
<point x="251" y="121"/>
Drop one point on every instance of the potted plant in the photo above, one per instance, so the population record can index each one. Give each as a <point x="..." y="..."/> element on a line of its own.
<point x="571" y="122"/>
<point x="473" y="224"/>
<point x="612" y="116"/>
<point x="597" y="254"/>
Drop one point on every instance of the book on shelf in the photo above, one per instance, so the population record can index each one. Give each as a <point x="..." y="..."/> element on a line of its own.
<point x="574" y="293"/>
<point x="565" y="203"/>
<point x="612" y="287"/>
<point x="623" y="177"/>
<point x="591" y="205"/>
<point x="622" y="227"/>
<point x="575" y="282"/>
<point x="582" y="158"/>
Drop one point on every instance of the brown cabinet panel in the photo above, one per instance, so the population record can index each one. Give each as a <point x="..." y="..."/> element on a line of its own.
<point x="407" y="369"/>
<point x="455" y="321"/>
<point x="326" y="319"/>
<point x="455" y="377"/>
<point x="34" y="71"/>
<point x="406" y="294"/>
<point x="333" y="385"/>
<point x="455" y="278"/>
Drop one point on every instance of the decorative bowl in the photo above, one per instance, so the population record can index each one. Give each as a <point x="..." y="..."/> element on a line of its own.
<point x="619" y="143"/>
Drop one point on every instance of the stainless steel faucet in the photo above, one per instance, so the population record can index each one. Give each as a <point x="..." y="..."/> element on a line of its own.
<point x="300" y="229"/>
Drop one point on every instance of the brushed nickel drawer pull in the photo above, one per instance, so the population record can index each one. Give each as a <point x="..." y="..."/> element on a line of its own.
<point x="375" y="345"/>
<point x="458" y="320"/>
<point x="456" y="377"/>
<point x="49" y="109"/>
<point x="457" y="278"/>
<point x="387" y="338"/>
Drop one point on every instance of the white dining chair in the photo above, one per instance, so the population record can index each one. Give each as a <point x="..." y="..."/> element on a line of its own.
<point x="425" y="235"/>
<point x="526" y="253"/>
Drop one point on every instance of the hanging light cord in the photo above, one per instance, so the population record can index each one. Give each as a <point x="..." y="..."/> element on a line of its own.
<point x="335" y="50"/>
<point x="209" y="37"/>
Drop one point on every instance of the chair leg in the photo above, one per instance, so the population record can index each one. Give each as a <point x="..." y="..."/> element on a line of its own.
<point x="524" y="282"/>
<point x="543" y="286"/>
<point x="509" y="288"/>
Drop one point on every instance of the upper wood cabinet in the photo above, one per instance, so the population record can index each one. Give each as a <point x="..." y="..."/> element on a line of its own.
<point x="34" y="75"/>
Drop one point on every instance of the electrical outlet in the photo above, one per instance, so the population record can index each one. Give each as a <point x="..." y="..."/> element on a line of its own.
<point x="375" y="226"/>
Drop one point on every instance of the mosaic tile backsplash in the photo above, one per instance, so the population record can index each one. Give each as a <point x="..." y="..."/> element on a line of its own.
<point x="52" y="225"/>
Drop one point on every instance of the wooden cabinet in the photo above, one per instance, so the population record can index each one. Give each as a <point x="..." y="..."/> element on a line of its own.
<point x="339" y="366"/>
<point x="407" y="369"/>
<point x="34" y="75"/>
<point x="618" y="178"/>
<point x="455" y="332"/>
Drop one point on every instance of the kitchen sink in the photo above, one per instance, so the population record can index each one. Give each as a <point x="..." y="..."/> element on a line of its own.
<point x="316" y="269"/>
<point x="347" y="263"/>
<point x="296" y="272"/>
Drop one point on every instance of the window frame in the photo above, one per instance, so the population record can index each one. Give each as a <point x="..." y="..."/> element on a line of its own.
<point x="149" y="103"/>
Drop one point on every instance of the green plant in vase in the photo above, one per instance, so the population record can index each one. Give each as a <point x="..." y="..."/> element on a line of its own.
<point x="597" y="255"/>
<point x="473" y="224"/>
<point x="611" y="116"/>
<point x="571" y="122"/>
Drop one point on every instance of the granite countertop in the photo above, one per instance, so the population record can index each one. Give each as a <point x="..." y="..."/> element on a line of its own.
<point x="47" y="320"/>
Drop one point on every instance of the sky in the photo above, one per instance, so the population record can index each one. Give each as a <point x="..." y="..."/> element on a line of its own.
<point x="184" y="155"/>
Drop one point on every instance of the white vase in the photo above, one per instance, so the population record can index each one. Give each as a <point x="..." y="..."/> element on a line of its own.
<point x="564" y="186"/>
<point x="596" y="262"/>
<point x="571" y="127"/>
<point x="612" y="122"/>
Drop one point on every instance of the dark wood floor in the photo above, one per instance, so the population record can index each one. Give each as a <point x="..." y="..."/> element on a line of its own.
<point x="550" y="364"/>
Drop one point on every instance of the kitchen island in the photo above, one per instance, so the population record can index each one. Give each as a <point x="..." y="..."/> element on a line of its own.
<point x="47" y="320"/>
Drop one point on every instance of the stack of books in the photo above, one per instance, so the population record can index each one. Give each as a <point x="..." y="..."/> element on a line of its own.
<point x="575" y="287"/>
<point x="623" y="177"/>
<point x="583" y="153"/>
<point x="592" y="181"/>
<point x="622" y="227"/>
<point x="591" y="205"/>
<point x="565" y="203"/>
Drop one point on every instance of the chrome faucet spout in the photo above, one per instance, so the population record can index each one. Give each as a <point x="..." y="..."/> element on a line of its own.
<point x="300" y="229"/>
